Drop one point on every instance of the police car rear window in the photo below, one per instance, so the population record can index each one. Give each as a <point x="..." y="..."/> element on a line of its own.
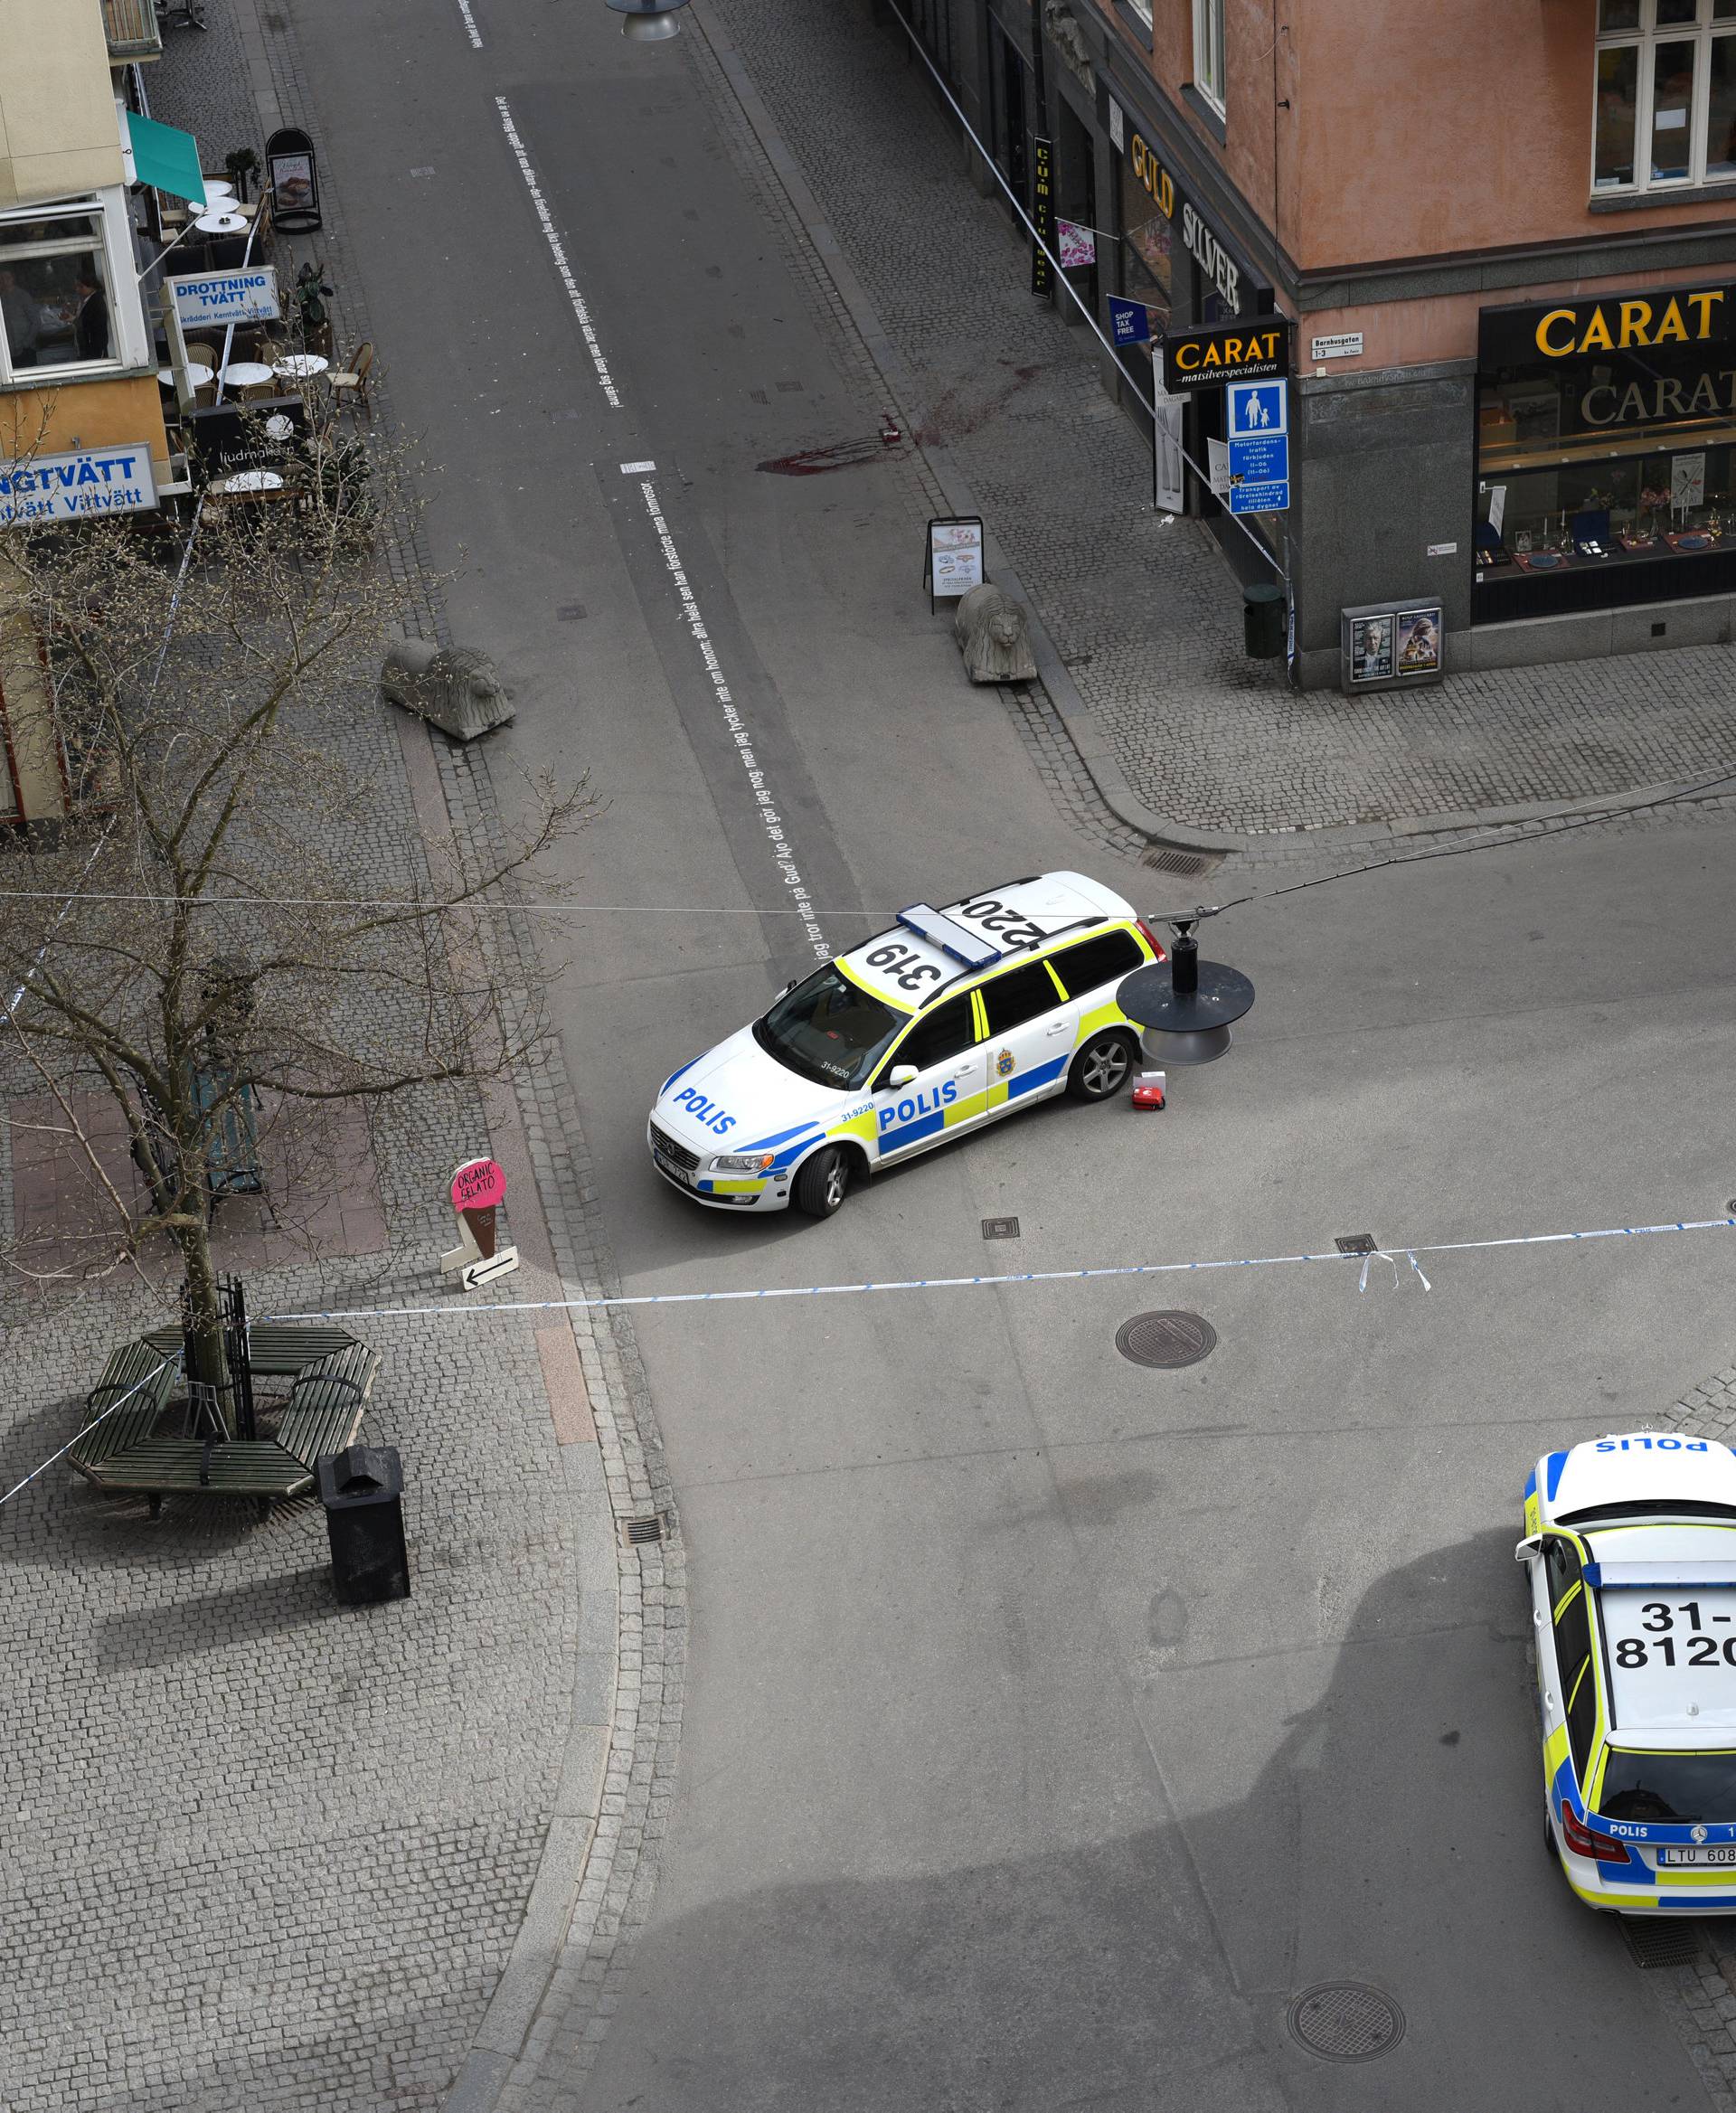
<point x="1095" y="961"/>
<point x="1668" y="1787"/>
<point x="1675" y="1507"/>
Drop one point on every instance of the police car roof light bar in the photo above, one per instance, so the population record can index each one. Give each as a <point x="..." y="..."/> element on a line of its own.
<point x="952" y="939"/>
<point x="1640" y="1577"/>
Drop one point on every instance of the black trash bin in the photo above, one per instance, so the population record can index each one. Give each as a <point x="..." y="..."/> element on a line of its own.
<point x="1262" y="622"/>
<point x="362" y="1490"/>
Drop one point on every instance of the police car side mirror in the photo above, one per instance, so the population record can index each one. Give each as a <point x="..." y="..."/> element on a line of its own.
<point x="1528" y="1547"/>
<point x="901" y="1075"/>
<point x="788" y="987"/>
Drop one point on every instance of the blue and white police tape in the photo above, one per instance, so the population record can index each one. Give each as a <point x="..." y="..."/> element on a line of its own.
<point x="1411" y="1250"/>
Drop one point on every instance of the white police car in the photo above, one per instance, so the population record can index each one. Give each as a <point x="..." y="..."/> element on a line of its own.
<point x="1631" y="1543"/>
<point x="951" y="1019"/>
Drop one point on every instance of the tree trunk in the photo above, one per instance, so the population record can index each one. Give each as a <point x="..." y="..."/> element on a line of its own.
<point x="204" y="1326"/>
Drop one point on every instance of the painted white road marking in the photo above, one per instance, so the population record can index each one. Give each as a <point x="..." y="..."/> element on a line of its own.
<point x="605" y="379"/>
<point x="801" y="901"/>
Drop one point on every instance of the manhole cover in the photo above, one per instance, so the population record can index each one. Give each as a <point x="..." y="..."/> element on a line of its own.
<point x="1355" y="1243"/>
<point x="1166" y="1340"/>
<point x="1346" y="2020"/>
<point x="1000" y="1228"/>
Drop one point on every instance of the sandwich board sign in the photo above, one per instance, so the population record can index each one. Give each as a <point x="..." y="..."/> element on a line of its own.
<point x="955" y="560"/>
<point x="478" y="1189"/>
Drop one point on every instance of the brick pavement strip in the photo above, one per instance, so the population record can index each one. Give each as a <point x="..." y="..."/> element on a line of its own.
<point x="259" y="1850"/>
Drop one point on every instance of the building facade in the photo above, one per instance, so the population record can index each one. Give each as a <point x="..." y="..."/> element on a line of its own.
<point x="81" y="427"/>
<point x="1505" y="238"/>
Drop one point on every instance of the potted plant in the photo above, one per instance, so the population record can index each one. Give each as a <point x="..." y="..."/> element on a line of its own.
<point x="241" y="163"/>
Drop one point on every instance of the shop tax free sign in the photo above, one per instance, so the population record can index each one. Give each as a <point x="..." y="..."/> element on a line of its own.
<point x="1256" y="351"/>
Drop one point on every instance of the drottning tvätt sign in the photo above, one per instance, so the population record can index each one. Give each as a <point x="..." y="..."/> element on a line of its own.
<point x="248" y="296"/>
<point x="77" y="486"/>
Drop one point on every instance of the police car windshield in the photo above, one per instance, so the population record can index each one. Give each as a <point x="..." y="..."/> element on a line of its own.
<point x="1669" y="1786"/>
<point x="828" y="1029"/>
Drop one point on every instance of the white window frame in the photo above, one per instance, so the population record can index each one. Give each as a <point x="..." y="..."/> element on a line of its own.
<point x="129" y="346"/>
<point x="1208" y="52"/>
<point x="1707" y="28"/>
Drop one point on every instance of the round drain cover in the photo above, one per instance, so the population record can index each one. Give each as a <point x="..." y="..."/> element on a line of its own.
<point x="1166" y="1340"/>
<point x="1347" y="2021"/>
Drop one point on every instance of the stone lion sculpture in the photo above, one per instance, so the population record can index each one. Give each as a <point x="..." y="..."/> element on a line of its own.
<point x="990" y="631"/>
<point x="451" y="686"/>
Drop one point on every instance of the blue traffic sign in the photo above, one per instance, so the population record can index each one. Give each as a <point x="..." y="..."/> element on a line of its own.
<point x="1257" y="407"/>
<point x="1259" y="419"/>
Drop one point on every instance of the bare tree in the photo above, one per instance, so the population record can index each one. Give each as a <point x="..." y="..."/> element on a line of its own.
<point x="194" y="938"/>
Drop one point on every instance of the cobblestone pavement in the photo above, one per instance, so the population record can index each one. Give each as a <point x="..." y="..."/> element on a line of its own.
<point x="260" y="1851"/>
<point x="1145" y="613"/>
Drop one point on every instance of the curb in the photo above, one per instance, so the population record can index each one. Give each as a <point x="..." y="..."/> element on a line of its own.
<point x="1094" y="748"/>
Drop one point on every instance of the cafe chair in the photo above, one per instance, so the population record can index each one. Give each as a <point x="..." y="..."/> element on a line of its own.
<point x="203" y="355"/>
<point x="353" y="380"/>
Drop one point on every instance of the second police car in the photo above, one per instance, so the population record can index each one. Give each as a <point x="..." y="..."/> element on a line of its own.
<point x="1630" y="1543"/>
<point x="952" y="1018"/>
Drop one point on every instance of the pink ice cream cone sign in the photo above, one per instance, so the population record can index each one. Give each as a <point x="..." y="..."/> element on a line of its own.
<point x="478" y="1189"/>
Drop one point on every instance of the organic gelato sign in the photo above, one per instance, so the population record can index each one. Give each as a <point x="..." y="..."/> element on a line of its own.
<point x="77" y="486"/>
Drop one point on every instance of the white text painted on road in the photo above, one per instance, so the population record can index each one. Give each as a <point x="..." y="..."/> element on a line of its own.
<point x="769" y="817"/>
<point x="556" y="249"/>
<point x="470" y="23"/>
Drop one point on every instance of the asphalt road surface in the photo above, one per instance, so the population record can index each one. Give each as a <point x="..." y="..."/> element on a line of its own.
<point x="1052" y="1723"/>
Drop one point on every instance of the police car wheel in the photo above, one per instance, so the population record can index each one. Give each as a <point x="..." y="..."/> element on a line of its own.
<point x="1100" y="1067"/>
<point x="821" y="1183"/>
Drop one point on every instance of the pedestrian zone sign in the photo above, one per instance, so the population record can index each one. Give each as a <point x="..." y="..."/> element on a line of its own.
<point x="1257" y="408"/>
<point x="1259" y="419"/>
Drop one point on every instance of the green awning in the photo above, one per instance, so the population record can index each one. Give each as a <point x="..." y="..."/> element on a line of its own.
<point x="165" y="158"/>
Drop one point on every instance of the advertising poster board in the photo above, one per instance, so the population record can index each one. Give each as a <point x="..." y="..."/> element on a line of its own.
<point x="955" y="560"/>
<point x="1371" y="648"/>
<point x="1418" y="641"/>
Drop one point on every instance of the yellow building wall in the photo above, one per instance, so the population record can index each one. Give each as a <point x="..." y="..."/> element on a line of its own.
<point x="85" y="414"/>
<point x="58" y="134"/>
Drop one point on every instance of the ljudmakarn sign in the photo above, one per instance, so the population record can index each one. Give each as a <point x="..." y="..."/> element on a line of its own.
<point x="73" y="487"/>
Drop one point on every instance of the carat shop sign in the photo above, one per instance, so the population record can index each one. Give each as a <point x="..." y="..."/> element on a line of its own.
<point x="246" y="295"/>
<point x="77" y="486"/>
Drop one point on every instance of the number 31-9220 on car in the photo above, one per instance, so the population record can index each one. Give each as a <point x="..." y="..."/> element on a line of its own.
<point x="952" y="1018"/>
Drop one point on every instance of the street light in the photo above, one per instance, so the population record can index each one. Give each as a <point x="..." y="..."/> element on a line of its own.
<point x="648" y="22"/>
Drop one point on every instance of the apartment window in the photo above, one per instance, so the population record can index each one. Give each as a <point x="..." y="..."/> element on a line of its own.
<point x="57" y="311"/>
<point x="1142" y="8"/>
<point x="1208" y="49"/>
<point x="1666" y="94"/>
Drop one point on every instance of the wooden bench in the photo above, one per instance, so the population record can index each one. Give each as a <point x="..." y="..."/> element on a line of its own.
<point x="335" y="1375"/>
<point x="257" y="1467"/>
<point x="282" y="1348"/>
<point x="148" y="1373"/>
<point x="328" y="1402"/>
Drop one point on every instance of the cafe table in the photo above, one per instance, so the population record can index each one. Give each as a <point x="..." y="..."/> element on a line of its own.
<point x="300" y="366"/>
<point x="245" y="373"/>
<point x="221" y="223"/>
<point x="198" y="374"/>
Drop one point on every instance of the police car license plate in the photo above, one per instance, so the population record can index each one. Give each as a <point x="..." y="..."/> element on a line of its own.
<point x="675" y="1173"/>
<point x="1726" y="1853"/>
